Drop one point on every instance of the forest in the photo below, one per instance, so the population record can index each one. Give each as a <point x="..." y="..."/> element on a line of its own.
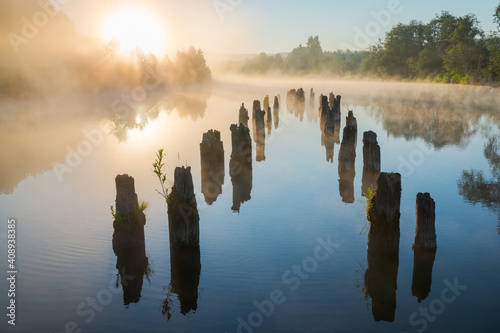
<point x="447" y="49"/>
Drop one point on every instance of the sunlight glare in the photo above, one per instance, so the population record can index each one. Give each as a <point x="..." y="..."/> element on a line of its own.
<point x="132" y="27"/>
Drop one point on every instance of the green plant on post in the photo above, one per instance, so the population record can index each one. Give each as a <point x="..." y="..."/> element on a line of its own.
<point x="369" y="208"/>
<point x="157" y="166"/>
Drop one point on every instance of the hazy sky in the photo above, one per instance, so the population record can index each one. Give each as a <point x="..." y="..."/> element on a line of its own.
<point x="251" y="26"/>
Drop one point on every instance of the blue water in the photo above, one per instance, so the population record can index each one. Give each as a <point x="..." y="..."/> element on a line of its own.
<point x="66" y="262"/>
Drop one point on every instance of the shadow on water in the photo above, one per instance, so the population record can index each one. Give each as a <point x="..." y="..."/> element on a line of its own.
<point x="475" y="188"/>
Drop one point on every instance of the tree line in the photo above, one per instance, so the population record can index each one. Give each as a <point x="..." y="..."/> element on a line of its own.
<point x="447" y="49"/>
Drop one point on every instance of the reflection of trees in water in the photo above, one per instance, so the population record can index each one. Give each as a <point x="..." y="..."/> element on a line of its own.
<point x="190" y="103"/>
<point x="446" y="117"/>
<point x="476" y="188"/>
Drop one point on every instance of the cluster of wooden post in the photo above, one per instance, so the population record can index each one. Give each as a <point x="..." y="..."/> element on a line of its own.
<point x="296" y="101"/>
<point x="383" y="243"/>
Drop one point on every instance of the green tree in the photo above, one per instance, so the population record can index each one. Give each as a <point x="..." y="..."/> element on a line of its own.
<point x="497" y="16"/>
<point x="466" y="53"/>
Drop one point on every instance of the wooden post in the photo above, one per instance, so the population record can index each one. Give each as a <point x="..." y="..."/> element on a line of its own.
<point x="266" y="103"/>
<point x="371" y="161"/>
<point x="243" y="116"/>
<point x="183" y="217"/>
<point x="212" y="165"/>
<point x="346" y="166"/>
<point x="240" y="165"/>
<point x="260" y="135"/>
<point x="425" y="229"/>
<point x="256" y="106"/>
<point x="128" y="225"/>
<point x="312" y="98"/>
<point x="384" y="214"/>
<point x="128" y="239"/>
<point x="276" y="112"/>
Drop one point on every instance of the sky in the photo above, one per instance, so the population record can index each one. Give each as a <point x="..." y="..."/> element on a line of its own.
<point x="253" y="26"/>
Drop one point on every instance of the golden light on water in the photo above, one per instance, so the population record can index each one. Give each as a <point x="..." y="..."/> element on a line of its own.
<point x="134" y="27"/>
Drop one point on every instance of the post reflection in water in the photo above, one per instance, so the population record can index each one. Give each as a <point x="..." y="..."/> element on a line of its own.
<point x="381" y="278"/>
<point x="185" y="269"/>
<point x="423" y="262"/>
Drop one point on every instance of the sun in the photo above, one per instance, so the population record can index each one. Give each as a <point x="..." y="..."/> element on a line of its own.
<point x="133" y="28"/>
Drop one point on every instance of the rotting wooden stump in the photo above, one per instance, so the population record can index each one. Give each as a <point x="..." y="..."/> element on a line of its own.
<point x="384" y="214"/>
<point x="425" y="228"/>
<point x="212" y="165"/>
<point x="276" y="112"/>
<point x="240" y="165"/>
<point x="312" y="98"/>
<point x="269" y="121"/>
<point x="260" y="135"/>
<point x="183" y="217"/>
<point x="128" y="225"/>
<point x="255" y="107"/>
<point x="346" y="166"/>
<point x="371" y="161"/>
<point x="276" y="104"/>
<point x="265" y="103"/>
<point x="243" y="116"/>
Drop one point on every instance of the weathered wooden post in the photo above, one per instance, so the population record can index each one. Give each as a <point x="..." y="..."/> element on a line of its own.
<point x="276" y="112"/>
<point x="212" y="165"/>
<point x="383" y="246"/>
<point x="128" y="239"/>
<point x="255" y="107"/>
<point x="128" y="225"/>
<point x="346" y="166"/>
<point x="240" y="165"/>
<point x="336" y="109"/>
<point x="183" y="217"/>
<point x="425" y="229"/>
<point x="243" y="116"/>
<point x="312" y="98"/>
<point x="266" y="103"/>
<point x="260" y="135"/>
<point x="331" y="100"/>
<point x="384" y="214"/>
<point x="371" y="161"/>
<point x="424" y="246"/>
<point x="269" y="121"/>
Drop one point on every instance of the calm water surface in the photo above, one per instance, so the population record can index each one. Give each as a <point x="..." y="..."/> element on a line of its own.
<point x="442" y="139"/>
